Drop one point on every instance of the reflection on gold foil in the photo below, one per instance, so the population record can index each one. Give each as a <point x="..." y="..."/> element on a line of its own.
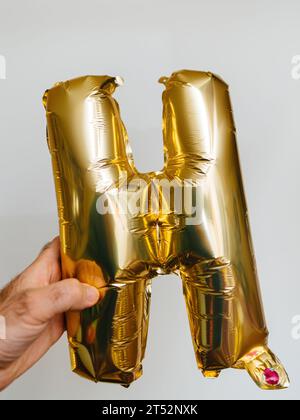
<point x="119" y="252"/>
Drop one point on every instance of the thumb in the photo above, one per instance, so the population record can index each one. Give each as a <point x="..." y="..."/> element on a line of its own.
<point x="41" y="305"/>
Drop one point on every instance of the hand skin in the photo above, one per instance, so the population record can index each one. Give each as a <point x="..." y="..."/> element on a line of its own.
<point x="33" y="305"/>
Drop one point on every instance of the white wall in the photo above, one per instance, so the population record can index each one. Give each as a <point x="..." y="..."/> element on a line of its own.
<point x="249" y="43"/>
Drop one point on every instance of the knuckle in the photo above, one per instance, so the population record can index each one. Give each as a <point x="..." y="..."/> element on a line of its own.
<point x="57" y="293"/>
<point x="68" y="291"/>
<point x="75" y="289"/>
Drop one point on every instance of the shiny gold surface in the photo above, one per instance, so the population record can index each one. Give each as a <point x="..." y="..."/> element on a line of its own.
<point x="205" y="239"/>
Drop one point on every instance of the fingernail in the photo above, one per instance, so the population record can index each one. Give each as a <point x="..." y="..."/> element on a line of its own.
<point x="92" y="294"/>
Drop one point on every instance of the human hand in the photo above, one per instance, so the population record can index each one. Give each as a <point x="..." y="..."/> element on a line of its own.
<point x="32" y="306"/>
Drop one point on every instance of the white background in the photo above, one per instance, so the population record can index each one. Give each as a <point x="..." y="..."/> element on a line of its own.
<point x="251" y="45"/>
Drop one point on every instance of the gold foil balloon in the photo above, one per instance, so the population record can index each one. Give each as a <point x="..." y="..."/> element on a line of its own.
<point x="120" y="228"/>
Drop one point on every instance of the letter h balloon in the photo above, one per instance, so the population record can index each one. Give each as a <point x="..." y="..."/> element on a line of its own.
<point x="120" y="228"/>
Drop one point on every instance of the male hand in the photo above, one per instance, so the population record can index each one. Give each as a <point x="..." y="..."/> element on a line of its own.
<point x="32" y="306"/>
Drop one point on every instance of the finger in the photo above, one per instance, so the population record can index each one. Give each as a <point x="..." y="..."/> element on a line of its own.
<point x="51" y="250"/>
<point x="39" y="306"/>
<point x="43" y="271"/>
<point x="48" y="263"/>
